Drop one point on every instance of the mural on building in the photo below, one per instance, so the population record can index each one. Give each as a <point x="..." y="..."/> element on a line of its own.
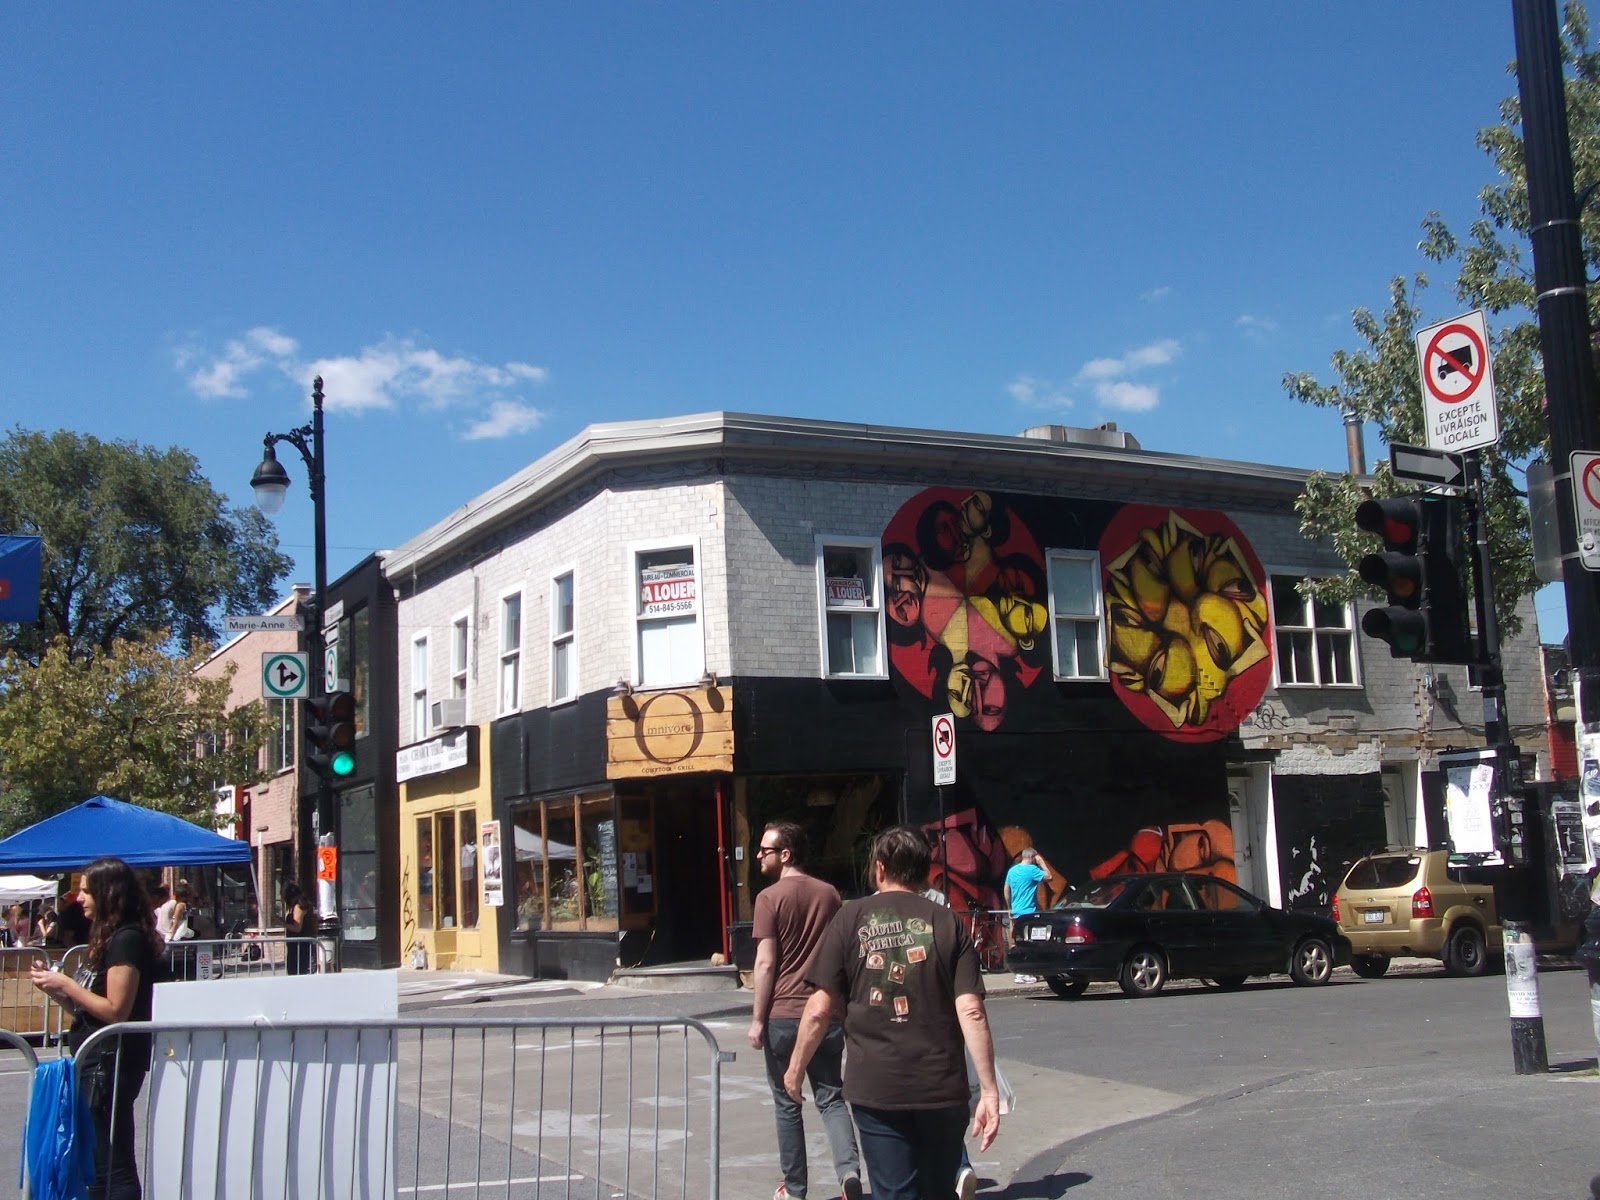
<point x="1186" y="619"/>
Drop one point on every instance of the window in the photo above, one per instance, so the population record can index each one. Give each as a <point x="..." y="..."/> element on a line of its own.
<point x="668" y="615"/>
<point x="458" y="659"/>
<point x="852" y="620"/>
<point x="567" y="864"/>
<point x="1075" y="609"/>
<point x="280" y="735"/>
<point x="468" y="818"/>
<point x="424" y="872"/>
<point x="444" y="872"/>
<point x="1316" y="639"/>
<point x="419" y="688"/>
<point x="354" y="663"/>
<point x="563" y="674"/>
<point x="511" y="652"/>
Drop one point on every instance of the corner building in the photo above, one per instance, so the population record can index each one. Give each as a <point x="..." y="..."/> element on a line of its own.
<point x="662" y="635"/>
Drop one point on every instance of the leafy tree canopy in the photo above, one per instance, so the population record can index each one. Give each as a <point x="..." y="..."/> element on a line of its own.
<point x="128" y="722"/>
<point x="135" y="541"/>
<point x="1494" y="271"/>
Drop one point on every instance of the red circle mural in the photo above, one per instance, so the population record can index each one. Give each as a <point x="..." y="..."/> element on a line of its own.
<point x="1186" y="620"/>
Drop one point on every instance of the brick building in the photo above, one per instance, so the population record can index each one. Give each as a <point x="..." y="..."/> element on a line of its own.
<point x="618" y="664"/>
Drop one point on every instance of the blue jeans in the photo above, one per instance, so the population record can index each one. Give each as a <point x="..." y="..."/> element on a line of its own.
<point x="911" y="1154"/>
<point x="825" y="1071"/>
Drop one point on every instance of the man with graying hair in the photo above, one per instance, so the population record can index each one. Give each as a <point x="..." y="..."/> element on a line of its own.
<point x="903" y="973"/>
<point x="790" y="916"/>
<point x="1023" y="881"/>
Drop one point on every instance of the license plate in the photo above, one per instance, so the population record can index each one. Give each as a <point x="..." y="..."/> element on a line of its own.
<point x="1039" y="933"/>
<point x="1374" y="916"/>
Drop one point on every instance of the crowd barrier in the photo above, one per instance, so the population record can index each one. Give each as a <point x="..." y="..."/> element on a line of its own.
<point x="496" y="1107"/>
<point x="24" y="1009"/>
<point x="250" y="955"/>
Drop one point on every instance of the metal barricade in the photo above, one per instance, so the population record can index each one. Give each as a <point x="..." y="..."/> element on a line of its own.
<point x="15" y="1041"/>
<point x="252" y="955"/>
<point x="496" y="1107"/>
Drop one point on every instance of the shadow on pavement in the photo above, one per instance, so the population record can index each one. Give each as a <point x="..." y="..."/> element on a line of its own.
<point x="1050" y="1187"/>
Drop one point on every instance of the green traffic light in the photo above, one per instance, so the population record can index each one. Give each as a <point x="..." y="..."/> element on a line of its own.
<point x="343" y="762"/>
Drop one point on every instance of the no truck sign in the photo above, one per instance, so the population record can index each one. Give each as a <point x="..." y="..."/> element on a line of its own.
<point x="1458" y="384"/>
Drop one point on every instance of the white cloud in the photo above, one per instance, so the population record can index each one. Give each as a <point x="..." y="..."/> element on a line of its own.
<point x="1256" y="328"/>
<point x="1031" y="392"/>
<point x="1128" y="397"/>
<point x="1155" y="294"/>
<point x="505" y="419"/>
<point x="386" y="375"/>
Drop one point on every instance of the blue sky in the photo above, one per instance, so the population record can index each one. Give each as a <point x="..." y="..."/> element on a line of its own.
<point x="488" y="225"/>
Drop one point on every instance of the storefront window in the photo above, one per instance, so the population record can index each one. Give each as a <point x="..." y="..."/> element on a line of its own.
<point x="469" y="869"/>
<point x="424" y="872"/>
<point x="445" y="876"/>
<point x="358" y="864"/>
<point x="567" y="864"/>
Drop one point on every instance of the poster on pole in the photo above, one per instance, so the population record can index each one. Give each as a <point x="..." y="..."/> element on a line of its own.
<point x="493" y="873"/>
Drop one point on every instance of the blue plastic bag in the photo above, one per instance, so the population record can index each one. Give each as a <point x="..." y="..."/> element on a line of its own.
<point x="58" y="1137"/>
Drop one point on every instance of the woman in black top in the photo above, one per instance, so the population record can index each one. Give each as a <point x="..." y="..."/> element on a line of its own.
<point x="298" y="926"/>
<point x="114" y="986"/>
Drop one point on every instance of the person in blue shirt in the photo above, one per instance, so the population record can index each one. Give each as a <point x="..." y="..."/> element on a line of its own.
<point x="1022" y="890"/>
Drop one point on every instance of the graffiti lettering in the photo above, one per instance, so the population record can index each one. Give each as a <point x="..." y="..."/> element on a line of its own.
<point x="408" y="915"/>
<point x="1268" y="715"/>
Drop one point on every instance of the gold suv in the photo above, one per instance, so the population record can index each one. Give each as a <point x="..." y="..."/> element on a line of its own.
<point x="1410" y="902"/>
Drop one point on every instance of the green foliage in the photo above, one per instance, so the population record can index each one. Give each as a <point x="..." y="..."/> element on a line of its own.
<point x="126" y="722"/>
<point x="136" y="541"/>
<point x="1494" y="271"/>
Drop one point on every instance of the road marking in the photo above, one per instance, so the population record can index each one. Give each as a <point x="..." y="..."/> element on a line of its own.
<point x="491" y="1183"/>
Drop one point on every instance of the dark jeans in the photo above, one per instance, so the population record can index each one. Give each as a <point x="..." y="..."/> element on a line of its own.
<point x="911" y="1154"/>
<point x="827" y="1089"/>
<point x="116" y="1166"/>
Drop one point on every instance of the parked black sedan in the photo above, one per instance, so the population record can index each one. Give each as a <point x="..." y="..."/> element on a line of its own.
<point x="1142" y="930"/>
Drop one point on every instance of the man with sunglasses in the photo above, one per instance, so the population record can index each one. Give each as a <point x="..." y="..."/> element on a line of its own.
<point x="790" y="915"/>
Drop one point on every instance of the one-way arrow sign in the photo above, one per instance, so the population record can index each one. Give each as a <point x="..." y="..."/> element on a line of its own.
<point x="1438" y="467"/>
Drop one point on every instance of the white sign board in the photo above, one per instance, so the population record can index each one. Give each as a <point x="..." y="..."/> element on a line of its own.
<point x="1586" y="502"/>
<point x="1458" y="384"/>
<point x="286" y="675"/>
<point x="666" y="591"/>
<point x="944" y="750"/>
<point x="266" y="1110"/>
<point x="286" y="623"/>
<point x="1468" y="795"/>
<point x="444" y="753"/>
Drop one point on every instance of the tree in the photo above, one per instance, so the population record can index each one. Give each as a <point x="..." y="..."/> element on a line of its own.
<point x="131" y="721"/>
<point x="1494" y="271"/>
<point x="135" y="541"/>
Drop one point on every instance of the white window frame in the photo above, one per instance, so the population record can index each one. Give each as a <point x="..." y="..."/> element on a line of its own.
<point x="419" y="687"/>
<point x="1092" y="557"/>
<point x="460" y="678"/>
<point x="1353" y="629"/>
<point x="875" y="606"/>
<point x="567" y="639"/>
<point x="635" y="551"/>
<point x="510" y="656"/>
<point x="285" y="735"/>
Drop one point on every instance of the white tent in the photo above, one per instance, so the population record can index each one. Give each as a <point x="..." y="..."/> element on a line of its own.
<point x="528" y="847"/>
<point x="19" y="889"/>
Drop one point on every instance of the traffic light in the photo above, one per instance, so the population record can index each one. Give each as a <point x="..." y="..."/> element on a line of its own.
<point x="1420" y="569"/>
<point x="331" y="733"/>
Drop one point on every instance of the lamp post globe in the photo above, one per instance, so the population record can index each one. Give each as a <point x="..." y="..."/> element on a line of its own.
<point x="271" y="483"/>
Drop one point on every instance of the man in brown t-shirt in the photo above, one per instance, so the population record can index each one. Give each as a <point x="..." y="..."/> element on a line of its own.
<point x="790" y="916"/>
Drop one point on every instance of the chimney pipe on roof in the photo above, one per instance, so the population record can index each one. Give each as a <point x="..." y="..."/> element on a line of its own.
<point x="1353" y="443"/>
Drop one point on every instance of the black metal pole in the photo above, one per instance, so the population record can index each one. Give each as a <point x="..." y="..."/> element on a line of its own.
<point x="326" y="826"/>
<point x="1560" y="282"/>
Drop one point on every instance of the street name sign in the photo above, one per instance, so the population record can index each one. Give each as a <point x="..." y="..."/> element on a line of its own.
<point x="944" y="750"/>
<point x="1437" y="467"/>
<point x="1458" y="404"/>
<point x="286" y="623"/>
<point x="286" y="675"/>
<point x="1586" y="500"/>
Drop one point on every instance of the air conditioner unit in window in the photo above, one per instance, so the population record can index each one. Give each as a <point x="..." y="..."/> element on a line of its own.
<point x="448" y="714"/>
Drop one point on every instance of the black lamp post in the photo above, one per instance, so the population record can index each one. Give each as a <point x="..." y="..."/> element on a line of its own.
<point x="271" y="484"/>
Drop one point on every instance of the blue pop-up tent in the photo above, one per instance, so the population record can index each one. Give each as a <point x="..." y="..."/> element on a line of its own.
<point x="101" y="826"/>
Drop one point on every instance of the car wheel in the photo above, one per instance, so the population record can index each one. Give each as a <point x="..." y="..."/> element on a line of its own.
<point x="1464" y="953"/>
<point x="1312" y="962"/>
<point x="1068" y="987"/>
<point x="1145" y="972"/>
<point x="1230" y="983"/>
<point x="1370" y="966"/>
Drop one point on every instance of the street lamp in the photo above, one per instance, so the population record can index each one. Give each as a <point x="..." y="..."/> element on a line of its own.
<point x="271" y="485"/>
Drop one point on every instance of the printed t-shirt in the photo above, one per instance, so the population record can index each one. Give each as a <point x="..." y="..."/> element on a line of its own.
<point x="126" y="947"/>
<point x="795" y="910"/>
<point x="1024" y="879"/>
<point x="900" y="961"/>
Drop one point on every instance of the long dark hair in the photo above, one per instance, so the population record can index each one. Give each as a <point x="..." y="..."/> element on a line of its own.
<point x="119" y="899"/>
